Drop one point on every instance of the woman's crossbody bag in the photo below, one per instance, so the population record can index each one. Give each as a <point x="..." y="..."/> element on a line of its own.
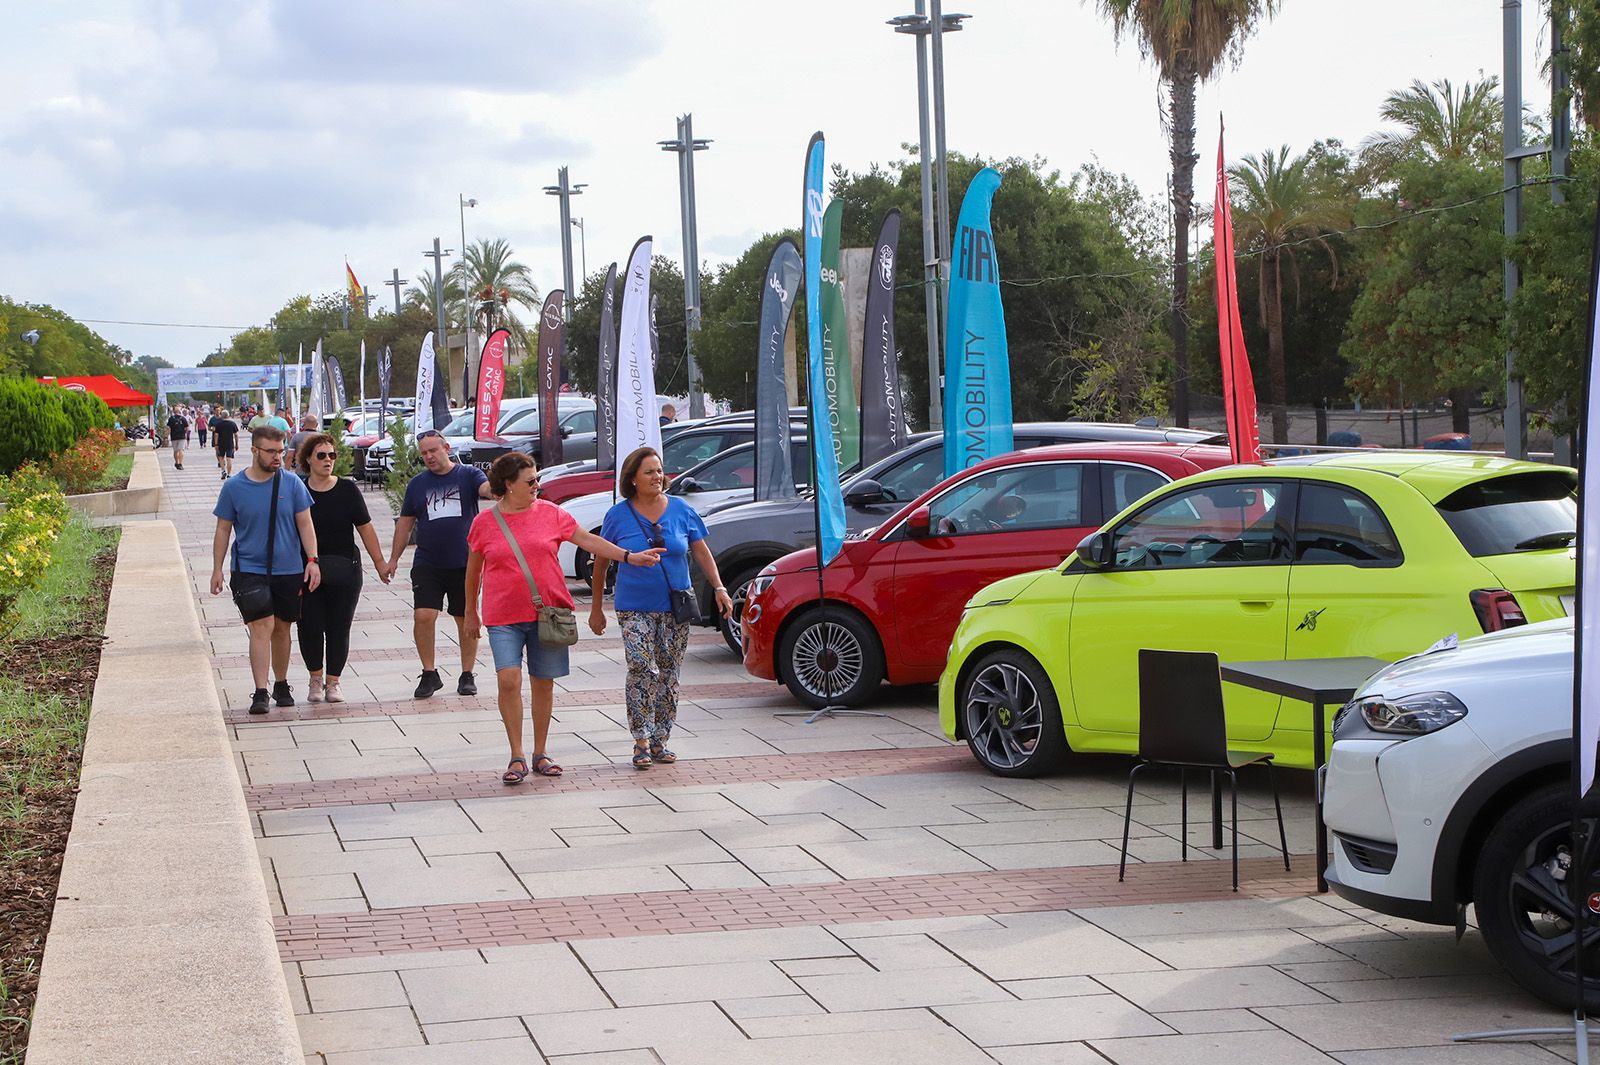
<point x="685" y="608"/>
<point x="558" y="625"/>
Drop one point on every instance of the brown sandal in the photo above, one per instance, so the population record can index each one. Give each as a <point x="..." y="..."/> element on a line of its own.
<point x="515" y="776"/>
<point x="546" y="766"/>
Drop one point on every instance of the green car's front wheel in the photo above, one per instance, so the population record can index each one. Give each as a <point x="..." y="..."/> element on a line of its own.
<point x="1010" y="715"/>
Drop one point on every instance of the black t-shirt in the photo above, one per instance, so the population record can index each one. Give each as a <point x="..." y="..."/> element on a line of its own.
<point x="225" y="430"/>
<point x="336" y="514"/>
<point x="178" y="427"/>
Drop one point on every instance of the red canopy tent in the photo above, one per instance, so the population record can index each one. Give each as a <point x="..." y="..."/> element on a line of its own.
<point x="108" y="388"/>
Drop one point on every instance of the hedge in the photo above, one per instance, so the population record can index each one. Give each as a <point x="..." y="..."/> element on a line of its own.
<point x="40" y="421"/>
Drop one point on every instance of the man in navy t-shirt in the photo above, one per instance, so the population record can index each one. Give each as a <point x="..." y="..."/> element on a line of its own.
<point x="266" y="590"/>
<point x="440" y="504"/>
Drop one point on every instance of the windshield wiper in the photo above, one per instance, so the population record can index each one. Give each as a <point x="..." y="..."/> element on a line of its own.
<point x="1547" y="540"/>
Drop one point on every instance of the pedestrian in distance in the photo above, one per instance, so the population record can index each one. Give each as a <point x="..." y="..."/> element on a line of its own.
<point x="224" y="436"/>
<point x="339" y="515"/>
<point x="439" y="506"/>
<point x="308" y="425"/>
<point x="268" y="517"/>
<point x="654" y="610"/>
<point x="512" y="551"/>
<point x="200" y="426"/>
<point x="177" y="435"/>
<point x="669" y="414"/>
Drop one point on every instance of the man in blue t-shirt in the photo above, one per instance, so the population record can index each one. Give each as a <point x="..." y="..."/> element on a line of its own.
<point x="266" y="590"/>
<point x="440" y="504"/>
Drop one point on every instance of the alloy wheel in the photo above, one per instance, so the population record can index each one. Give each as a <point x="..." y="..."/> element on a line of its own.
<point x="827" y="659"/>
<point x="1004" y="718"/>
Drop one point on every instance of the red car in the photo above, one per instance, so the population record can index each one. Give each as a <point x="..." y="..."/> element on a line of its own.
<point x="896" y="594"/>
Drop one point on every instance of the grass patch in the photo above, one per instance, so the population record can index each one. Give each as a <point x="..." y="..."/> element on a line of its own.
<point x="52" y="656"/>
<point x="116" y="476"/>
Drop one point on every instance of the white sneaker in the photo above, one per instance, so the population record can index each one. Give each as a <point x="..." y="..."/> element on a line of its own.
<point x="315" y="694"/>
<point x="333" y="694"/>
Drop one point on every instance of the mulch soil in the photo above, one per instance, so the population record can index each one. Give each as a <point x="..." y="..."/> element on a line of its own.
<point x="67" y="665"/>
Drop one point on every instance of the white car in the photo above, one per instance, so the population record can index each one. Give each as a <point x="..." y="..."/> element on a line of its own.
<point x="1449" y="782"/>
<point x="725" y="479"/>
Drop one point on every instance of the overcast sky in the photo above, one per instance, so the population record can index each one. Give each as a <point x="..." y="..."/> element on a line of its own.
<point x="201" y="161"/>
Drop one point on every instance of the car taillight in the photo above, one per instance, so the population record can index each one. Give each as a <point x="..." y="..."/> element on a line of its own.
<point x="1497" y="609"/>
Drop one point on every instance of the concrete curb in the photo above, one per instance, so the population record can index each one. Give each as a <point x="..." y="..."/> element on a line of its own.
<point x="162" y="947"/>
<point x="142" y="496"/>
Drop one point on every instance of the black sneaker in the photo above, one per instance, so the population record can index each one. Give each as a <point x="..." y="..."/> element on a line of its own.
<point x="258" y="701"/>
<point x="281" y="693"/>
<point x="429" y="684"/>
<point x="467" y="685"/>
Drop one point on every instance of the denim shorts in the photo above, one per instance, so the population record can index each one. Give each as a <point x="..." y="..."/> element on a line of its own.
<point x="509" y="643"/>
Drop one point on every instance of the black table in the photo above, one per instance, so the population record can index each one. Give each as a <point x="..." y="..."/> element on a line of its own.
<point x="1318" y="681"/>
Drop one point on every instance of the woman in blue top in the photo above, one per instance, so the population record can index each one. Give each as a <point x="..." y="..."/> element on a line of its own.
<point x="653" y="643"/>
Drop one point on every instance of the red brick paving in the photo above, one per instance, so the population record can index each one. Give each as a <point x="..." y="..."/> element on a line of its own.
<point x="429" y="928"/>
<point x="444" y="704"/>
<point x="425" y="787"/>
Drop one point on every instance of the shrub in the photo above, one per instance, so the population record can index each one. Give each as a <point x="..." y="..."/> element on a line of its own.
<point x="404" y="464"/>
<point x="33" y="423"/>
<point x="85" y="411"/>
<point x="84" y="463"/>
<point x="35" y="513"/>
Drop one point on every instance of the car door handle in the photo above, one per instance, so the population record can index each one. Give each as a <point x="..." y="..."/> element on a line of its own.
<point x="1255" y="606"/>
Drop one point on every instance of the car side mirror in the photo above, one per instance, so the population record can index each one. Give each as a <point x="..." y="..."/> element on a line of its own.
<point x="687" y="484"/>
<point x="865" y="493"/>
<point x="1094" y="550"/>
<point x="918" y="522"/>
<point x="566" y="431"/>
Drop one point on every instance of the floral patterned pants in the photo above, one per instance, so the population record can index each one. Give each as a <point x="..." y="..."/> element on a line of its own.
<point x="653" y="645"/>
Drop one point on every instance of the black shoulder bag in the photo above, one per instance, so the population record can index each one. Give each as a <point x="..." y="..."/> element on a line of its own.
<point x="257" y="598"/>
<point x="685" y="608"/>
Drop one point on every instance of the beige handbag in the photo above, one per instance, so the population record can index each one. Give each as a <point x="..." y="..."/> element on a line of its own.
<point x="558" y="625"/>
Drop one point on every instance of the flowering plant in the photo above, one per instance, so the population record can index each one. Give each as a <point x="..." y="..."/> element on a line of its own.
<point x="34" y="515"/>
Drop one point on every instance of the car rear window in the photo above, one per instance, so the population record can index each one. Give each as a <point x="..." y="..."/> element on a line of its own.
<point x="1521" y="512"/>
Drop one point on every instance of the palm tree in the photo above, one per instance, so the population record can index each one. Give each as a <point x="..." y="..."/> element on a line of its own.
<point x="1188" y="40"/>
<point x="1281" y="206"/>
<point x="1437" y="123"/>
<point x="497" y="284"/>
<point x="421" y="294"/>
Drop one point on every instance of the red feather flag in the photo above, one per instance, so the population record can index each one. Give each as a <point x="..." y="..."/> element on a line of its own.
<point x="1238" y="384"/>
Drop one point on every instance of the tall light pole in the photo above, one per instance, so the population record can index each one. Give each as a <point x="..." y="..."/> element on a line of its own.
<point x="466" y="294"/>
<point x="935" y="209"/>
<point x="440" y="339"/>
<point x="396" y="283"/>
<point x="566" y="191"/>
<point x="684" y="147"/>
<point x="583" y="247"/>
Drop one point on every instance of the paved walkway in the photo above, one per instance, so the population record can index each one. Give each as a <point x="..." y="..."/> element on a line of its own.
<point x="851" y="891"/>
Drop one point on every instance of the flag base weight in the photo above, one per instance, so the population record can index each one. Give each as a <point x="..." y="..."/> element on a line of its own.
<point x="813" y="716"/>
<point x="1579" y="1031"/>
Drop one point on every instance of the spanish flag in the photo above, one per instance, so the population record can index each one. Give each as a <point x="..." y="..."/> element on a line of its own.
<point x="357" y="298"/>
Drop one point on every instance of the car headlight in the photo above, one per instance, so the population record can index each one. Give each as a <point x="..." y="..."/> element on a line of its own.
<point x="760" y="582"/>
<point x="1411" y="715"/>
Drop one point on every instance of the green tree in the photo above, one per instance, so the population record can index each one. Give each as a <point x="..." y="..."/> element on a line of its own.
<point x="497" y="285"/>
<point x="1188" y="41"/>
<point x="1281" y="205"/>
<point x="729" y="337"/>
<point x="583" y="331"/>
<point x="1427" y="322"/>
<point x="1436" y="123"/>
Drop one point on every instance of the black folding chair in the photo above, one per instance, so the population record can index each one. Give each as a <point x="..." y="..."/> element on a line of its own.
<point x="1182" y="723"/>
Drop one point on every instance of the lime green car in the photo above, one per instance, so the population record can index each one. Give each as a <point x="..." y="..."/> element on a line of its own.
<point x="1377" y="554"/>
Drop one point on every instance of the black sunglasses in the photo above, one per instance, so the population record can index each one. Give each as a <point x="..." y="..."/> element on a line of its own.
<point x="656" y="538"/>
<point x="426" y="433"/>
<point x="326" y="455"/>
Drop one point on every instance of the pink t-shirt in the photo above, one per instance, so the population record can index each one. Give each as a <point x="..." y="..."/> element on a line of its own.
<point x="539" y="531"/>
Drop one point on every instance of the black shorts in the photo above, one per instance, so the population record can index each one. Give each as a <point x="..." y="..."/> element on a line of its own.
<point x="226" y="452"/>
<point x="258" y="596"/>
<point x="432" y="587"/>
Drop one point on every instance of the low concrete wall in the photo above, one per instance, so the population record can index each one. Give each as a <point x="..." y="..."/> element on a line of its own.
<point x="161" y="948"/>
<point x="142" y="496"/>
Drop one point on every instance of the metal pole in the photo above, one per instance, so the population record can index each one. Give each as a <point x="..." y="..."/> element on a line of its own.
<point x="440" y="339"/>
<point x="466" y="299"/>
<point x="565" y="192"/>
<point x="1511" y="87"/>
<point x="1560" y="166"/>
<point x="396" y="282"/>
<point x="936" y="27"/>
<point x="930" y="254"/>
<point x="583" y="247"/>
<point x="691" y="271"/>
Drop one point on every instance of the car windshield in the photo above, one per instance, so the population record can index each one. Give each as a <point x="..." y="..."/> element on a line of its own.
<point x="1521" y="512"/>
<point x="462" y="426"/>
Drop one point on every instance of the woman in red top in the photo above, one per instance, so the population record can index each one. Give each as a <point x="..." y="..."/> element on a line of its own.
<point x="508" y="609"/>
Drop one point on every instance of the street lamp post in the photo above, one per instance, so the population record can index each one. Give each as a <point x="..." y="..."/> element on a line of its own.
<point x="466" y="357"/>
<point x="565" y="191"/>
<point x="396" y="283"/>
<point x="684" y="147"/>
<point x="438" y="299"/>
<point x="935" y="210"/>
<point x="583" y="248"/>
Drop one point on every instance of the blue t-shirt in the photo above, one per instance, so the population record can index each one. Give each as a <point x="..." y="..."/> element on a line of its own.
<point x="247" y="503"/>
<point x="642" y="587"/>
<point x="444" y="505"/>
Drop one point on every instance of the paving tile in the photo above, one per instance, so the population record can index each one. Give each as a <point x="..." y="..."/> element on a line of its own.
<point x="390" y="963"/>
<point x="519" y="1051"/>
<point x="904" y="952"/>
<point x="890" y="1020"/>
<point x="1409" y="1022"/>
<point x="1483" y="985"/>
<point x="657" y="849"/>
<point x="694" y="983"/>
<point x="1048" y="1054"/>
<point x="1432" y="953"/>
<point x="506" y="989"/>
<point x="1280" y="1048"/>
<point x="894" y="857"/>
<point x="475" y="1031"/>
<point x="456" y="878"/>
<point x="706" y="948"/>
<point x="901" y="989"/>
<point x="1054" y="987"/>
<point x="1233" y="915"/>
<point x="1201" y="1022"/>
<point x="609" y="1057"/>
<point x="1046" y="855"/>
<point x="360" y="991"/>
<point x="917" y="1047"/>
<point x="825" y="966"/>
<point x="1056" y="1020"/>
<point x="711" y="876"/>
<point x="1462" y="1054"/>
<point x="1243" y="987"/>
<point x="608" y="881"/>
<point x="407" y="819"/>
<point x="635" y="1027"/>
<point x="743" y="1009"/>
<point x="1278" y="947"/>
<point x="1066" y="947"/>
<point x="330" y="1033"/>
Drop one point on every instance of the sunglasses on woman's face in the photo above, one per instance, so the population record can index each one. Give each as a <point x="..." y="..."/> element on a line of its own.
<point x="329" y="455"/>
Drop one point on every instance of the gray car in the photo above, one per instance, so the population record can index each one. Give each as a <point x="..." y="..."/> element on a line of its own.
<point x="743" y="539"/>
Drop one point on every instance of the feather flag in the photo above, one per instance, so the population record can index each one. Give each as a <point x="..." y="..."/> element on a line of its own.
<point x="638" y="424"/>
<point x="825" y="464"/>
<point x="425" y="367"/>
<point x="361" y="381"/>
<point x="1238" y="384"/>
<point x="491" y="386"/>
<point x="977" y="391"/>
<point x="552" y="340"/>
